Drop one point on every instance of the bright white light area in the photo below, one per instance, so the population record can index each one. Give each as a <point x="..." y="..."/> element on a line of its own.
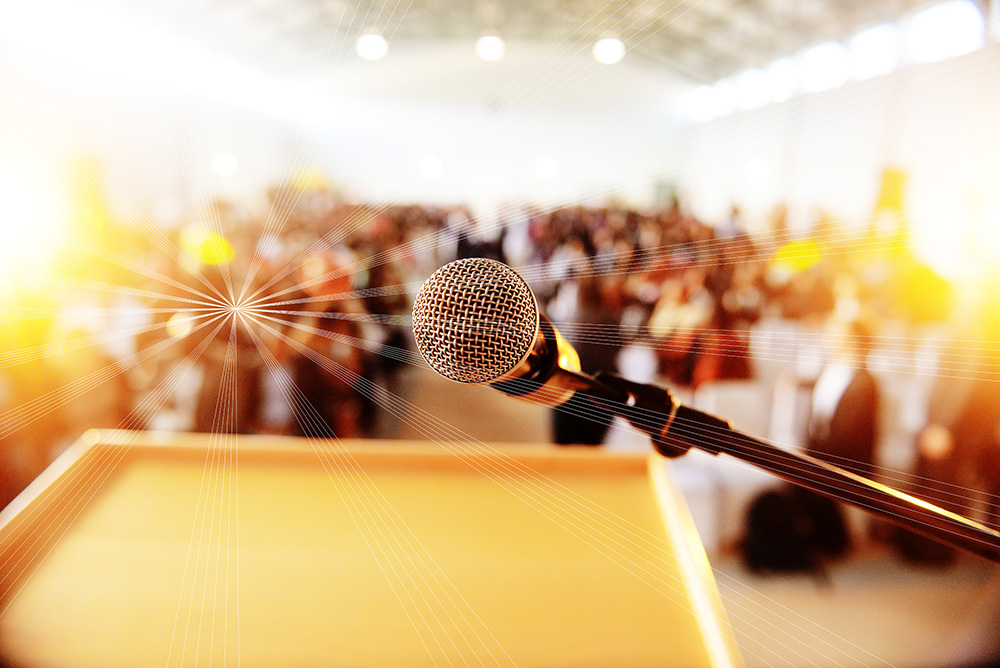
<point x="751" y="89"/>
<point x="874" y="51"/>
<point x="942" y="31"/>
<point x="371" y="46"/>
<point x="490" y="47"/>
<point x="725" y="97"/>
<point x="701" y="104"/>
<point x="825" y="66"/>
<point x="430" y="166"/>
<point x="108" y="46"/>
<point x="30" y="222"/>
<point x="757" y="171"/>
<point x="546" y="168"/>
<point x="968" y="246"/>
<point x="225" y="164"/>
<point x="782" y="79"/>
<point x="609" y="50"/>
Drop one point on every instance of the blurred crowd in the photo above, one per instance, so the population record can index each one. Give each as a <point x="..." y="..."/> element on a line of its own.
<point x="330" y="292"/>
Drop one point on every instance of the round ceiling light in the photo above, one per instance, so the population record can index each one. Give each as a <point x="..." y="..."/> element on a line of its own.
<point x="490" y="47"/>
<point x="371" y="46"/>
<point x="609" y="50"/>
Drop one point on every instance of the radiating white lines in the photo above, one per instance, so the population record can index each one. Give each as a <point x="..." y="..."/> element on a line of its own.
<point x="448" y="626"/>
<point x="630" y="547"/>
<point x="40" y="530"/>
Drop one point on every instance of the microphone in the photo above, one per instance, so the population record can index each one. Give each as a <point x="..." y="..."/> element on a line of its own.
<point x="476" y="321"/>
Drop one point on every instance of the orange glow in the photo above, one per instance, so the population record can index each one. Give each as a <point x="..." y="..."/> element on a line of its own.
<point x="180" y="324"/>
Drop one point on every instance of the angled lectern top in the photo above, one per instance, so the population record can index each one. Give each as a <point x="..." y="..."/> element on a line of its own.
<point x="141" y="549"/>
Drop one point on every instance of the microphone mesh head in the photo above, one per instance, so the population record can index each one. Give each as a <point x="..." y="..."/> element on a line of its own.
<point x="474" y="320"/>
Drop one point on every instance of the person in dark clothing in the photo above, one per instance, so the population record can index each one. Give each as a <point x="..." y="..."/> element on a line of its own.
<point x="810" y="528"/>
<point x="846" y="437"/>
<point x="594" y="335"/>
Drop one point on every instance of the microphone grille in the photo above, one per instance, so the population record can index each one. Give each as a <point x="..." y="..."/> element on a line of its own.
<point x="474" y="320"/>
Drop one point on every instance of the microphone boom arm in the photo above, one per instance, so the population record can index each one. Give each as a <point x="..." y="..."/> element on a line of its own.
<point x="476" y="321"/>
<point x="674" y="429"/>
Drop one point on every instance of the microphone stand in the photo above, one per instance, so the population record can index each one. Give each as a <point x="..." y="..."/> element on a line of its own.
<point x="674" y="429"/>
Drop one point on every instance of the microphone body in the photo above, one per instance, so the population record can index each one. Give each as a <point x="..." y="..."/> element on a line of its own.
<point x="476" y="321"/>
<point x="549" y="375"/>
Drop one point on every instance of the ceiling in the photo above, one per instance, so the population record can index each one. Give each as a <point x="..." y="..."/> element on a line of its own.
<point x="703" y="40"/>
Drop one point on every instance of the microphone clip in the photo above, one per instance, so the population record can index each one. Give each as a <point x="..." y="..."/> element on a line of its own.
<point x="653" y="411"/>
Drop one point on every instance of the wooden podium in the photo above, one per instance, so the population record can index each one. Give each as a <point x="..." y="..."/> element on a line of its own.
<point x="139" y="549"/>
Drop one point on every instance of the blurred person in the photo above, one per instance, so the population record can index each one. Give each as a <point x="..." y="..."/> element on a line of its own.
<point x="327" y="403"/>
<point x="790" y="529"/>
<point x="962" y="438"/>
<point x="593" y="331"/>
<point x="958" y="450"/>
<point x="477" y="238"/>
<point x="778" y="221"/>
<point x="326" y="394"/>
<point x="26" y="450"/>
<point x="734" y="225"/>
<point x="843" y="425"/>
<point x="384" y="361"/>
<point x="936" y="475"/>
<point x="103" y="407"/>
<point x="844" y="421"/>
<point x="679" y="325"/>
<point x="228" y="404"/>
<point x="727" y="353"/>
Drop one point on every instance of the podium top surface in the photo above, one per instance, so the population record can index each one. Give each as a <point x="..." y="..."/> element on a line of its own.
<point x="140" y="549"/>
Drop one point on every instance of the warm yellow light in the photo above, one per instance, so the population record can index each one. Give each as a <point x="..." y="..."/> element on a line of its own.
<point x="31" y="218"/>
<point x="797" y="256"/>
<point x="206" y="246"/>
<point x="308" y="179"/>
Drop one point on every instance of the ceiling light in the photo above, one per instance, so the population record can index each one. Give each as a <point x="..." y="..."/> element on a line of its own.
<point x="825" y="66"/>
<point x="782" y="79"/>
<point x="874" y="51"/>
<point x="701" y="104"/>
<point x="609" y="50"/>
<point x="371" y="46"/>
<point x="751" y="89"/>
<point x="944" y="30"/>
<point x="490" y="47"/>
<point x="725" y="97"/>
